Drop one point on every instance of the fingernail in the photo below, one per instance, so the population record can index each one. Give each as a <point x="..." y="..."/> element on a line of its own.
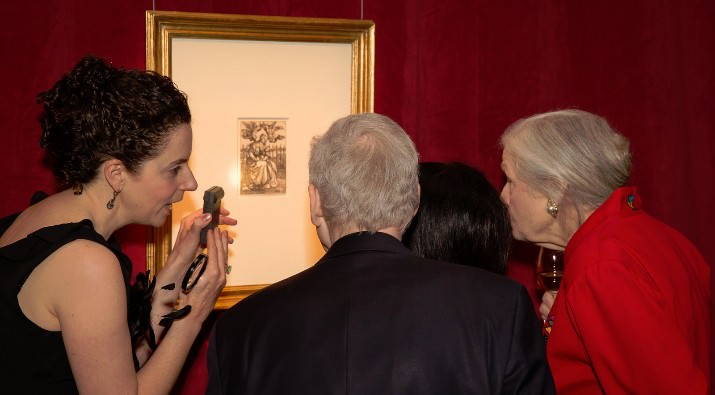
<point x="206" y="216"/>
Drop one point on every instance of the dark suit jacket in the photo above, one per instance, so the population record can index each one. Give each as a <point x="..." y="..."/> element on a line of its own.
<point x="371" y="318"/>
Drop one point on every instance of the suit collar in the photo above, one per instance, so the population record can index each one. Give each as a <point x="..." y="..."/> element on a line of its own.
<point x="363" y="242"/>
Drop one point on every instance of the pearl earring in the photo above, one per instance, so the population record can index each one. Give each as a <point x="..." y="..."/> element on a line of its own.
<point x="552" y="208"/>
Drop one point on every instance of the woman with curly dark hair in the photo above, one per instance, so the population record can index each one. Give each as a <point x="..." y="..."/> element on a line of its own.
<point x="119" y="143"/>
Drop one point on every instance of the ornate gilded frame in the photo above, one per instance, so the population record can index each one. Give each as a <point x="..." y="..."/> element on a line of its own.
<point x="164" y="26"/>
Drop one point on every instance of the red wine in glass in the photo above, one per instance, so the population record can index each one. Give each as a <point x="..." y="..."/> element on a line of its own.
<point x="549" y="269"/>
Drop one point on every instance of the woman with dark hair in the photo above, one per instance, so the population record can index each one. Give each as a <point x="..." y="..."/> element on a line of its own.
<point x="461" y="218"/>
<point x="119" y="142"/>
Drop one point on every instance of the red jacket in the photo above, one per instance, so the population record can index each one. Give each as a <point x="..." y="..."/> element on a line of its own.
<point x="633" y="310"/>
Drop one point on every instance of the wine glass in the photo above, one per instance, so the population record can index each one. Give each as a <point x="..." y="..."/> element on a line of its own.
<point x="549" y="269"/>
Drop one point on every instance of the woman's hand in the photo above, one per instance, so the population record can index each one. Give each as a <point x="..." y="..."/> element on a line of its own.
<point x="168" y="298"/>
<point x="547" y="301"/>
<point x="182" y="254"/>
<point x="203" y="295"/>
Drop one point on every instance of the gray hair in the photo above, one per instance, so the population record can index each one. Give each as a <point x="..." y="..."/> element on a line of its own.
<point x="365" y="168"/>
<point x="569" y="152"/>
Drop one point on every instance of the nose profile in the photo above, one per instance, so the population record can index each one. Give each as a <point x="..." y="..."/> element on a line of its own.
<point x="191" y="184"/>
<point x="503" y="195"/>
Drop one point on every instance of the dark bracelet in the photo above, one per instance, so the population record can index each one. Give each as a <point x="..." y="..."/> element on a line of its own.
<point x="196" y="269"/>
<point x="169" y="318"/>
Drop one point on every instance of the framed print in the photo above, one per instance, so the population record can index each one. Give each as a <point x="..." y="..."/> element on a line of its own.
<point x="259" y="88"/>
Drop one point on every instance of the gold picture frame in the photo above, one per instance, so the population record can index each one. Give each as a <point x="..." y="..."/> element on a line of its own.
<point x="351" y="40"/>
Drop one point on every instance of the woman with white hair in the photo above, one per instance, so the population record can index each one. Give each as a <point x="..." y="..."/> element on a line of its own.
<point x="632" y="314"/>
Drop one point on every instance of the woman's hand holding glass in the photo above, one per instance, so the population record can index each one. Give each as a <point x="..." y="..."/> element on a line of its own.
<point x="547" y="301"/>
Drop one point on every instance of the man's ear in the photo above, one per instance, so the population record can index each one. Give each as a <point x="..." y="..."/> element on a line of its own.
<point x="114" y="172"/>
<point x="317" y="218"/>
<point x="316" y="213"/>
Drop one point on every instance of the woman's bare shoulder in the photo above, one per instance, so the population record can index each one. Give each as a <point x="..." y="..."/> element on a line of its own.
<point x="51" y="211"/>
<point x="78" y="275"/>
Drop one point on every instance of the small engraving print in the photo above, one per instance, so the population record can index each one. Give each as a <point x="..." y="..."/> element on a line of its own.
<point x="262" y="144"/>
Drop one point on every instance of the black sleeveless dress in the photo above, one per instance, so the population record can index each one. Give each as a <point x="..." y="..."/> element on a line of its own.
<point x="34" y="360"/>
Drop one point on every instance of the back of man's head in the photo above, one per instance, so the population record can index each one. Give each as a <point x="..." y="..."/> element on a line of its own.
<point x="365" y="169"/>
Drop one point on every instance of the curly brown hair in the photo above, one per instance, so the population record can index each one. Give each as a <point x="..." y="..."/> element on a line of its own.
<point x="98" y="111"/>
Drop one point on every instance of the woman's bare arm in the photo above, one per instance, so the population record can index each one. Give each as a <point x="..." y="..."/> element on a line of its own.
<point x="87" y="295"/>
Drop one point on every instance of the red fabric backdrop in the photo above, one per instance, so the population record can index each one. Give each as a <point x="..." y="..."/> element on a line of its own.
<point x="454" y="73"/>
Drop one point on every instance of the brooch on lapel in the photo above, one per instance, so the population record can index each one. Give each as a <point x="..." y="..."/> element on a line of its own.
<point x="633" y="202"/>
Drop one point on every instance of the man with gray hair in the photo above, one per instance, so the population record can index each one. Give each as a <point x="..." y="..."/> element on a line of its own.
<point x="369" y="317"/>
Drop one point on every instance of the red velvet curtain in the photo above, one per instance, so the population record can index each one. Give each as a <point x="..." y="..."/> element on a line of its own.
<point x="454" y="73"/>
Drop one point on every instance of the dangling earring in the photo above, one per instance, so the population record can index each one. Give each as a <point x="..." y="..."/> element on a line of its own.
<point x="110" y="203"/>
<point x="552" y="208"/>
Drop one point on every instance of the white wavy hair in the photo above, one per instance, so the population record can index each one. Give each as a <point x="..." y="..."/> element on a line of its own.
<point x="570" y="152"/>
<point x="365" y="168"/>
